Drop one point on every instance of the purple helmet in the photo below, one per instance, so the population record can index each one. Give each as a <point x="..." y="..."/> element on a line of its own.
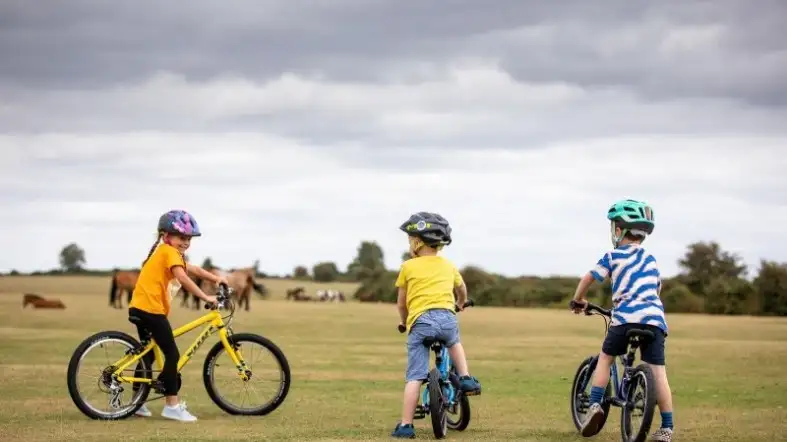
<point x="179" y="222"/>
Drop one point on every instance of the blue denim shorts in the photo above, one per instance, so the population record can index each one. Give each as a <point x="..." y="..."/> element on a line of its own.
<point x="437" y="324"/>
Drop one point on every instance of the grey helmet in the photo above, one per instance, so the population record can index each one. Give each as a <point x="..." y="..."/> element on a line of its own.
<point x="431" y="228"/>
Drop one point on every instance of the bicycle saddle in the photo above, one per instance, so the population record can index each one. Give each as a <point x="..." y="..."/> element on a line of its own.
<point x="643" y="335"/>
<point x="428" y="342"/>
<point x="134" y="319"/>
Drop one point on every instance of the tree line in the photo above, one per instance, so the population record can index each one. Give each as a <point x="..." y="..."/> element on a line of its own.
<point x="711" y="280"/>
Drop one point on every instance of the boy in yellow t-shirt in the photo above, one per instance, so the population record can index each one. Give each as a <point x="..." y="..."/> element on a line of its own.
<point x="426" y="305"/>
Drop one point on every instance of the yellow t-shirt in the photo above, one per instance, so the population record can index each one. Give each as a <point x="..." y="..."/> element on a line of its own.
<point x="156" y="285"/>
<point x="430" y="283"/>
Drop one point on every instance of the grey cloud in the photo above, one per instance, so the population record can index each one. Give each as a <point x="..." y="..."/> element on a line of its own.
<point x="88" y="44"/>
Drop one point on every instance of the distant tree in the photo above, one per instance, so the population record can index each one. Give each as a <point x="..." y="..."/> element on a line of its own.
<point x="705" y="262"/>
<point x="325" y="272"/>
<point x="300" y="272"/>
<point x="771" y="286"/>
<point x="368" y="262"/>
<point x="406" y="256"/>
<point x="730" y="296"/>
<point x="207" y="264"/>
<point x="72" y="258"/>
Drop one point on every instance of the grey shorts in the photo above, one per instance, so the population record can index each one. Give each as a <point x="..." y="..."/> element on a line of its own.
<point x="438" y="324"/>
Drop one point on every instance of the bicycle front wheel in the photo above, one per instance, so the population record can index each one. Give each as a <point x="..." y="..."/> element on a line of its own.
<point x="640" y="405"/>
<point x="460" y="408"/>
<point x="93" y="362"/>
<point x="265" y="365"/>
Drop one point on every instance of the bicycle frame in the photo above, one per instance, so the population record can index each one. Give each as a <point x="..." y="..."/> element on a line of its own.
<point x="619" y="382"/>
<point x="215" y="323"/>
<point x="443" y="365"/>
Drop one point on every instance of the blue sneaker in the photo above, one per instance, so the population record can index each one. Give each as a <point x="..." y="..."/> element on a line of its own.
<point x="469" y="385"/>
<point x="404" y="431"/>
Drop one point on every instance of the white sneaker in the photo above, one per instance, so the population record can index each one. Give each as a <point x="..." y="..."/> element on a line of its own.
<point x="143" y="411"/>
<point x="178" y="413"/>
<point x="662" y="435"/>
<point x="593" y="420"/>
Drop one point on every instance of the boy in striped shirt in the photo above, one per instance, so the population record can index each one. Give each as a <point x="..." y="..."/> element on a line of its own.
<point x="636" y="284"/>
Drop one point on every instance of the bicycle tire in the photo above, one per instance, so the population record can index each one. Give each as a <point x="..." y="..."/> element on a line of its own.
<point x="235" y="339"/>
<point x="584" y="366"/>
<point x="437" y="405"/>
<point x="72" y="372"/>
<point x="463" y="405"/>
<point x="642" y="372"/>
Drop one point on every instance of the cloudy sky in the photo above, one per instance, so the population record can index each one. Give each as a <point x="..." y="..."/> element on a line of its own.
<point x="292" y="130"/>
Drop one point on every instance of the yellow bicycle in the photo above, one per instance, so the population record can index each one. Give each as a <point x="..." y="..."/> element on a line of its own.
<point x="133" y="368"/>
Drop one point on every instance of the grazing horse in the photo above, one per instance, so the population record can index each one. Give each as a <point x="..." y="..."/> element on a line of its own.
<point x="299" y="294"/>
<point x="330" y="295"/>
<point x="30" y="298"/>
<point x="122" y="280"/>
<point x="241" y="281"/>
<point x="39" y="302"/>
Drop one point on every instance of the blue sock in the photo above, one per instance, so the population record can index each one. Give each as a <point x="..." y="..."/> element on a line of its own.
<point x="666" y="419"/>
<point x="596" y="394"/>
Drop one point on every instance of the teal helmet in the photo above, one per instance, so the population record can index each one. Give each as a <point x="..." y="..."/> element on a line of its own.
<point x="631" y="216"/>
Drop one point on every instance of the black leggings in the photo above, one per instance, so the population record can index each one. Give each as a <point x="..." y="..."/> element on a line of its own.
<point x="158" y="327"/>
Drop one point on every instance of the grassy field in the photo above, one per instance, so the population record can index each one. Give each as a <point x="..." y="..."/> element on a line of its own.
<point x="728" y="374"/>
<point x="99" y="286"/>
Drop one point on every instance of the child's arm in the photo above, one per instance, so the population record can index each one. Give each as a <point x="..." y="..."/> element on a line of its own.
<point x="180" y="274"/>
<point x="204" y="274"/>
<point x="582" y="288"/>
<point x="461" y="295"/>
<point x="401" y="304"/>
<point x="599" y="273"/>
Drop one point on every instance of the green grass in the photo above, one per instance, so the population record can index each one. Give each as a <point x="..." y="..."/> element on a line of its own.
<point x="348" y="362"/>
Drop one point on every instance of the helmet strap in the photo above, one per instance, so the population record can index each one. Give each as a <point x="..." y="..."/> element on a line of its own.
<point x="617" y="239"/>
<point x="415" y="245"/>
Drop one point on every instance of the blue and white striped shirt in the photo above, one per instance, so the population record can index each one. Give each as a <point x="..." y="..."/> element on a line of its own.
<point x="636" y="284"/>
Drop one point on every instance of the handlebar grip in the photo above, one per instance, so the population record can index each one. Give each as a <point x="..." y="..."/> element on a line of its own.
<point x="401" y="328"/>
<point x="469" y="303"/>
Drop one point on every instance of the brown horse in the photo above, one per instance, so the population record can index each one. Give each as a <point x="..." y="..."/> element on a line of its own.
<point x="241" y="281"/>
<point x="39" y="302"/>
<point x="122" y="280"/>
<point x="299" y="294"/>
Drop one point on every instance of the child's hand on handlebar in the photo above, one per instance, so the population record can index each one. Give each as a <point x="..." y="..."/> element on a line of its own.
<point x="221" y="280"/>
<point x="577" y="306"/>
<point x="212" y="300"/>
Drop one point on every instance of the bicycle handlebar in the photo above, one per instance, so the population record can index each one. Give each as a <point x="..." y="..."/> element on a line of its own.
<point x="590" y="308"/>
<point x="468" y="303"/>
<point x="222" y="296"/>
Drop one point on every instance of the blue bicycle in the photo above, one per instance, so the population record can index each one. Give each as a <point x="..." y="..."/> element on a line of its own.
<point x="635" y="391"/>
<point x="442" y="395"/>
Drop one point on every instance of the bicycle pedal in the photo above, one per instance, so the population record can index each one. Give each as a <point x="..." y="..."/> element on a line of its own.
<point x="420" y="412"/>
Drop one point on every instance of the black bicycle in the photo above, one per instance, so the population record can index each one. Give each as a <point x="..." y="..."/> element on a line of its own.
<point x="635" y="391"/>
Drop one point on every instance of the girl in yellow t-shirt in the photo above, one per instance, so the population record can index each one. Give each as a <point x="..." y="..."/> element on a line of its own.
<point x="163" y="273"/>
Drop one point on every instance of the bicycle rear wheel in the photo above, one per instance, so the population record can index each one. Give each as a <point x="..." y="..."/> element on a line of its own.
<point x="640" y="403"/>
<point x="580" y="393"/>
<point x="437" y="405"/>
<point x="102" y="375"/>
<point x="245" y="343"/>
